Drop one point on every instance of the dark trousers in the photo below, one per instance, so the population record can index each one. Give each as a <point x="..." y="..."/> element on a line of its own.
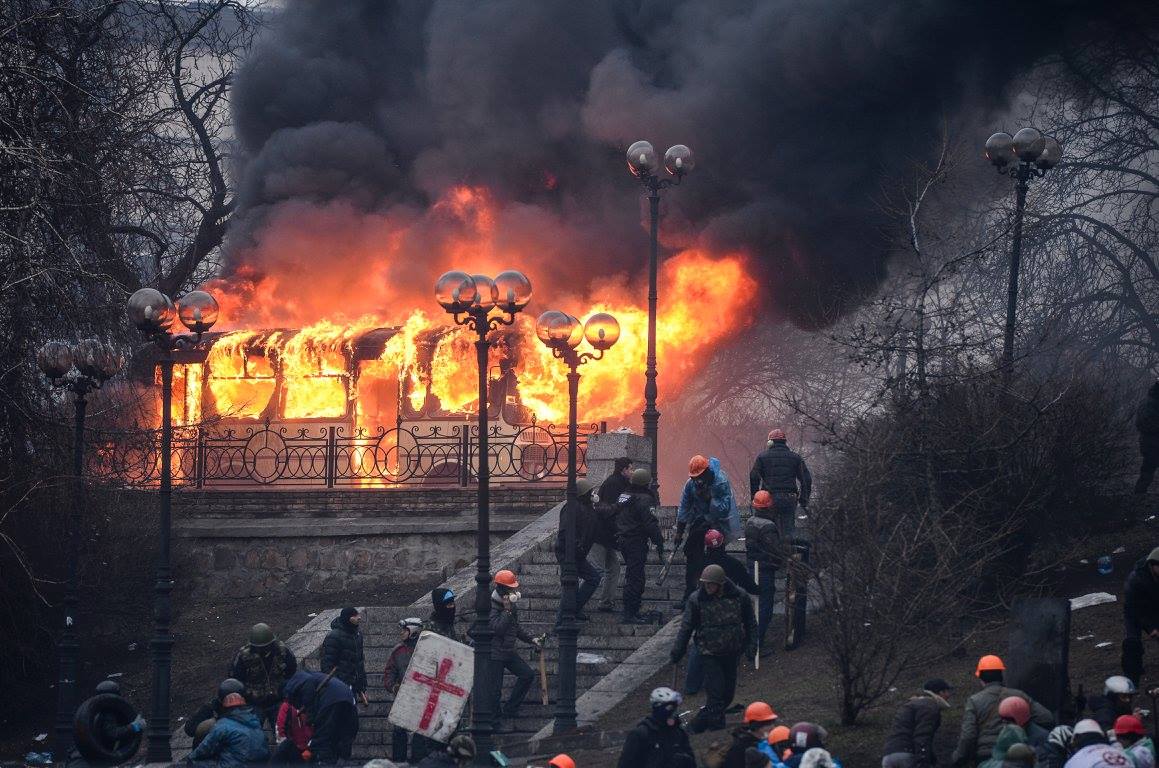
<point x="719" y="688"/>
<point x="1132" y="659"/>
<point x="1147" y="472"/>
<point x="635" y="553"/>
<point x="524" y="677"/>
<point x="766" y="596"/>
<point x="589" y="581"/>
<point x="420" y="746"/>
<point x="287" y="753"/>
<point x="693" y="558"/>
<point x="334" y="730"/>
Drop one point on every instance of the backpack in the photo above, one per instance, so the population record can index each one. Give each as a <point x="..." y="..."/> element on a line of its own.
<point x="721" y="632"/>
<point x="763" y="541"/>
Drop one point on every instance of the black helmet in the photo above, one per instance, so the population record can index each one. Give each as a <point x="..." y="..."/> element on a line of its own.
<point x="109" y="686"/>
<point x="229" y="685"/>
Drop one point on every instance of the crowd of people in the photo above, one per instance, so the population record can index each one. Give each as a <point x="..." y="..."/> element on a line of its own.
<point x="270" y="710"/>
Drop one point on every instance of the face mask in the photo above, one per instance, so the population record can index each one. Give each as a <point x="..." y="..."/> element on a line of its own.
<point x="514" y="597"/>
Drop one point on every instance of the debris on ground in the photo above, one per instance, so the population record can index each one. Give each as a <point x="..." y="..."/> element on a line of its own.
<point x="1094" y="598"/>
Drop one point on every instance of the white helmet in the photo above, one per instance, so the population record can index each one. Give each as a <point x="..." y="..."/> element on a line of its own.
<point x="1118" y="684"/>
<point x="411" y="623"/>
<point x="1088" y="726"/>
<point x="663" y="696"/>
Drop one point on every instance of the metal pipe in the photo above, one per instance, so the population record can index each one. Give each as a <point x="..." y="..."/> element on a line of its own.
<point x="482" y="714"/>
<point x="66" y="685"/>
<point x="568" y="631"/>
<point x="651" y="415"/>
<point x="162" y="642"/>
<point x="1020" y="189"/>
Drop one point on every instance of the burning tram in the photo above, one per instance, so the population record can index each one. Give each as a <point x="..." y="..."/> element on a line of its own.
<point x="348" y="406"/>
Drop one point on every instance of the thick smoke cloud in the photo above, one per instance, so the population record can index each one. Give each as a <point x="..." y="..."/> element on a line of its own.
<point x="799" y="111"/>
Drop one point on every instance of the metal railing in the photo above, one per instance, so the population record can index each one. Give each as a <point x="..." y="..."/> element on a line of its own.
<point x="330" y="457"/>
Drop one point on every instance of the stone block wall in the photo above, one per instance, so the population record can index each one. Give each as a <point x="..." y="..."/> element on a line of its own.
<point x="286" y="543"/>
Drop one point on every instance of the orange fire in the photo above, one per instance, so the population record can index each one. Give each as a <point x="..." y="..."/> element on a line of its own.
<point x="704" y="299"/>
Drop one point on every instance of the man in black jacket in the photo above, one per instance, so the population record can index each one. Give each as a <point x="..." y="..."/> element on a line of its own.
<point x="722" y="619"/>
<point x="659" y="741"/>
<point x="784" y="474"/>
<point x="604" y="552"/>
<point x="636" y="525"/>
<point x="1147" y="422"/>
<point x="734" y="570"/>
<point x="1140" y="613"/>
<point x="505" y="630"/>
<point x="585" y="527"/>
<point x="211" y="710"/>
<point x="342" y="650"/>
<point x="910" y="743"/>
<point x="329" y="705"/>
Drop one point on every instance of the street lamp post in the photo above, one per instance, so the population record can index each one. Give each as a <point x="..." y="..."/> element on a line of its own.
<point x="79" y="368"/>
<point x="563" y="333"/>
<point x="154" y="314"/>
<point x="483" y="305"/>
<point x="1025" y="155"/>
<point x="644" y="164"/>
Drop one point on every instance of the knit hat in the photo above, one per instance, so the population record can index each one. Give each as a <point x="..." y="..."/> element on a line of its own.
<point x="623" y="463"/>
<point x="754" y="758"/>
<point x="347" y="613"/>
<point x="937" y="685"/>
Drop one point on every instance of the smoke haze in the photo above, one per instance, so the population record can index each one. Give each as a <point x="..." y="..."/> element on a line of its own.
<point x="355" y="119"/>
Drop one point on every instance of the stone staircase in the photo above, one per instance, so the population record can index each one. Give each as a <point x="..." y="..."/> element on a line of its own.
<point x="615" y="659"/>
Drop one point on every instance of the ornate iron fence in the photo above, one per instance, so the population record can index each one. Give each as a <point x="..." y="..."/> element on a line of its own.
<point x="326" y="456"/>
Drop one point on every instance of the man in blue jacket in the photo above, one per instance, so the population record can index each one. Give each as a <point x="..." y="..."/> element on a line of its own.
<point x="706" y="503"/>
<point x="237" y="737"/>
<point x="329" y="704"/>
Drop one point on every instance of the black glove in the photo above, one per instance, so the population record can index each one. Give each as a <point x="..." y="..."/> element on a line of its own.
<point x="679" y="534"/>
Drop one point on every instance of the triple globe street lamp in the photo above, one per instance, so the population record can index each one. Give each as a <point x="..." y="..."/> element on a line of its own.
<point x="155" y="315"/>
<point x="645" y="165"/>
<point x="563" y="334"/>
<point x="483" y="305"/>
<point x="1025" y="155"/>
<point x="77" y="368"/>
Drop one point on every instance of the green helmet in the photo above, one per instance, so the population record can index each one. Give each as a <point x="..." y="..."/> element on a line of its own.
<point x="584" y="487"/>
<point x="261" y="635"/>
<point x="712" y="574"/>
<point x="641" y="476"/>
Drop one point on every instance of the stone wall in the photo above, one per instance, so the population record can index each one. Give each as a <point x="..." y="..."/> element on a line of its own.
<point x="286" y="543"/>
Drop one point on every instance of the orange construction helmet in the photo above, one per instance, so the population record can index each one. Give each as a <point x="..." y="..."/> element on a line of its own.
<point x="763" y="500"/>
<point x="779" y="734"/>
<point x="696" y="465"/>
<point x="233" y="700"/>
<point x="777" y="434"/>
<point x="561" y="761"/>
<point x="759" y="712"/>
<point x="507" y="578"/>
<point x="990" y="663"/>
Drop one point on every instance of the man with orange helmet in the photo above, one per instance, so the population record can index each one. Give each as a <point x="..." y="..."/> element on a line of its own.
<point x="236" y="738"/>
<point x="784" y="474"/>
<point x="981" y="722"/>
<point x="759" y="719"/>
<point x="705" y="503"/>
<point x="505" y="630"/>
<point x="765" y="551"/>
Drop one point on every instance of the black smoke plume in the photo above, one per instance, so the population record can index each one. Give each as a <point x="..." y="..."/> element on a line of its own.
<point x="798" y="112"/>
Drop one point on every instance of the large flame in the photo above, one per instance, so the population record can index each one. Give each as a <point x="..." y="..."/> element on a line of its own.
<point x="704" y="298"/>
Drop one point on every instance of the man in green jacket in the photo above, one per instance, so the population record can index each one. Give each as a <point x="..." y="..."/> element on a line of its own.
<point x="981" y="723"/>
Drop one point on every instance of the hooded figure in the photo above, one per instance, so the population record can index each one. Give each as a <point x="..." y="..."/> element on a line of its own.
<point x="1010" y="735"/>
<point x="329" y="706"/>
<point x="706" y="502"/>
<point x="442" y="618"/>
<point x="659" y="740"/>
<point x="1147" y="422"/>
<point x="342" y="650"/>
<point x="1140" y="613"/>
